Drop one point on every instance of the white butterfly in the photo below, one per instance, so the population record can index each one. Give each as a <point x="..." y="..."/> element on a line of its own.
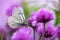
<point x="17" y="17"/>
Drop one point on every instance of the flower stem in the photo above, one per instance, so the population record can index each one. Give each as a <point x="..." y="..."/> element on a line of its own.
<point x="43" y="32"/>
<point x="2" y="36"/>
<point x="34" y="34"/>
<point x="40" y="38"/>
<point x="59" y="38"/>
<point x="47" y="38"/>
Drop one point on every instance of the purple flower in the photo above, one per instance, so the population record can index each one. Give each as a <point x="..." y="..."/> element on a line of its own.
<point x="39" y="28"/>
<point x="32" y="19"/>
<point x="58" y="31"/>
<point x="25" y="33"/>
<point x="49" y="30"/>
<point x="44" y="15"/>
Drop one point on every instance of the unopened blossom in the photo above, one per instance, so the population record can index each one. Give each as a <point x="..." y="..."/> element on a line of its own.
<point x="45" y="15"/>
<point x="24" y="33"/>
<point x="49" y="30"/>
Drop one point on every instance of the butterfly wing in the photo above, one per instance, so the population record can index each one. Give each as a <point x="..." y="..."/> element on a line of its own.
<point x="17" y="17"/>
<point x="13" y="22"/>
<point x="19" y="13"/>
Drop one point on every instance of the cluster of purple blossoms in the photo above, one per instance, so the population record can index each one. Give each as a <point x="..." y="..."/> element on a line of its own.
<point x="49" y="30"/>
<point x="42" y="15"/>
<point x="41" y="18"/>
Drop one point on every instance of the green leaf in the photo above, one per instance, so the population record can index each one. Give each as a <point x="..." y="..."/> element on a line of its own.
<point x="57" y="17"/>
<point x="34" y="8"/>
<point x="26" y="9"/>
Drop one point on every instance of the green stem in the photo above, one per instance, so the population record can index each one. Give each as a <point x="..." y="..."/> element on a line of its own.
<point x="2" y="36"/>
